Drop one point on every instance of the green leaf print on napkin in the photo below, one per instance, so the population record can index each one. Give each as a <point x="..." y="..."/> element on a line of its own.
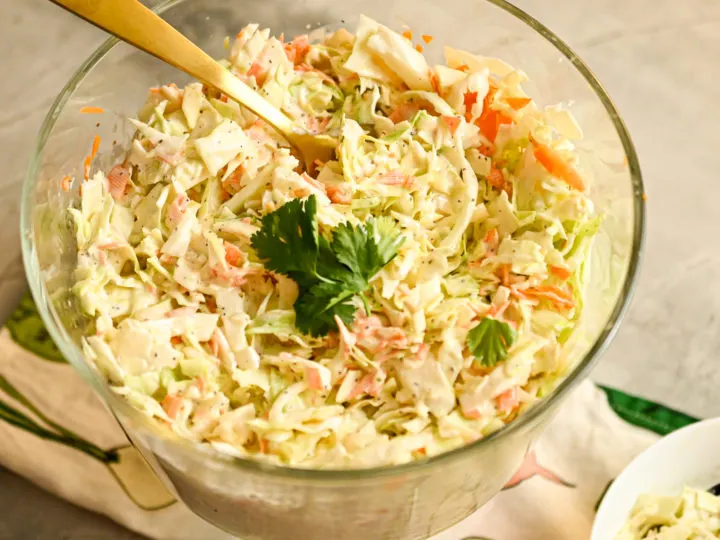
<point x="51" y="431"/>
<point x="645" y="414"/>
<point x="124" y="463"/>
<point x="28" y="330"/>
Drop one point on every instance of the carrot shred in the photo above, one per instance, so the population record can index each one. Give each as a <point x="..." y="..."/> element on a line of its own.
<point x="508" y="400"/>
<point x="485" y="150"/>
<point x="492" y="237"/>
<point x="434" y="82"/>
<point x="233" y="255"/>
<point x="93" y="153"/>
<point x="463" y="68"/>
<point x="470" y="99"/>
<point x="505" y="274"/>
<point x="552" y="293"/>
<point x="427" y="38"/>
<point x="419" y="48"/>
<point x="92" y="110"/>
<point x="490" y="120"/>
<point x="556" y="165"/>
<point x="171" y="405"/>
<point x="496" y="310"/>
<point x="517" y="103"/>
<point x="560" y="272"/>
<point x="452" y="122"/>
<point x="407" y="34"/>
<point x="66" y="182"/>
<point x="496" y="178"/>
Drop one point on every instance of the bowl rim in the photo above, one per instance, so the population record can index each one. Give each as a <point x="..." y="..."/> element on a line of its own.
<point x="71" y="351"/>
<point x="603" y="515"/>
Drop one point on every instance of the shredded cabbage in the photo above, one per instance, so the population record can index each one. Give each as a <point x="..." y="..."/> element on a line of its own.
<point x="692" y="515"/>
<point x="193" y="330"/>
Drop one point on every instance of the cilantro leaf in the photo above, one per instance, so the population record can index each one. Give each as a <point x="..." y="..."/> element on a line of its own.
<point x="354" y="248"/>
<point x="316" y="309"/>
<point x="288" y="239"/>
<point x="387" y="237"/>
<point x="367" y="248"/>
<point x="330" y="272"/>
<point x="490" y="340"/>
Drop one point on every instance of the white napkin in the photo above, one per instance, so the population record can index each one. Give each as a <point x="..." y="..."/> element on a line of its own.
<point x="55" y="431"/>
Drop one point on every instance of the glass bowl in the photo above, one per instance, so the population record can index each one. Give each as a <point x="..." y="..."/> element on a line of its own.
<point x="254" y="500"/>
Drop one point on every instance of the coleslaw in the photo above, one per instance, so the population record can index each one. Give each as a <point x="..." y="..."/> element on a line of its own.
<point x="406" y="298"/>
<point x="692" y="515"/>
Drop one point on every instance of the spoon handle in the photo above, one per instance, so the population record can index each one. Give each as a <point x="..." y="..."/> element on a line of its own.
<point x="132" y="22"/>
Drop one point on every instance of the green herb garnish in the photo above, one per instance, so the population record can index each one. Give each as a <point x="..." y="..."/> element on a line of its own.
<point x="329" y="272"/>
<point x="490" y="340"/>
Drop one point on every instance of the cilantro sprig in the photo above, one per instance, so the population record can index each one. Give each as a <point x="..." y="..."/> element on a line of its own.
<point x="490" y="340"/>
<point x="330" y="272"/>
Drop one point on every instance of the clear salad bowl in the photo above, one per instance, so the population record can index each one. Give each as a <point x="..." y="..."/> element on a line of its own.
<point x="258" y="501"/>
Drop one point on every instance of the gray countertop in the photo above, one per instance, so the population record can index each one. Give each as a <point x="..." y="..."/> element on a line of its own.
<point x="658" y="61"/>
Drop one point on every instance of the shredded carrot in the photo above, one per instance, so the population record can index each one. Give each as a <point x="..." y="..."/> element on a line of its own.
<point x="559" y="297"/>
<point x="644" y="197"/>
<point x="338" y="195"/>
<point x="453" y="123"/>
<point x="505" y="274"/>
<point x="556" y="165"/>
<point x="496" y="178"/>
<point x="508" y="400"/>
<point x="463" y="67"/>
<point x="517" y="103"/>
<point x="264" y="446"/>
<point x="434" y="81"/>
<point x="490" y="120"/>
<point x="396" y="178"/>
<point x="470" y="100"/>
<point x="258" y="71"/>
<point x="313" y="378"/>
<point x="419" y="48"/>
<point x="171" y="405"/>
<point x="560" y="272"/>
<point x="427" y="38"/>
<point x="407" y="34"/>
<point x="93" y="153"/>
<point x="233" y="255"/>
<point x="66" y="182"/>
<point x="496" y="310"/>
<point x="492" y="237"/>
<point x="485" y="150"/>
<point x="92" y="110"/>
<point x="176" y="340"/>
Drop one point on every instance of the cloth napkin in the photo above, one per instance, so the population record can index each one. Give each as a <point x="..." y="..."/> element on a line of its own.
<point x="55" y="432"/>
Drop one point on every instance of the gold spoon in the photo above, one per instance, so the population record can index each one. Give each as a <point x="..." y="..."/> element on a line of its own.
<point x="135" y="24"/>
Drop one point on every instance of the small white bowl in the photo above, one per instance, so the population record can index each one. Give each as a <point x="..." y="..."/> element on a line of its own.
<point x="687" y="457"/>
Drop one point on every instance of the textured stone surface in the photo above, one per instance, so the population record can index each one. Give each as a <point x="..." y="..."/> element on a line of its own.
<point x="658" y="62"/>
